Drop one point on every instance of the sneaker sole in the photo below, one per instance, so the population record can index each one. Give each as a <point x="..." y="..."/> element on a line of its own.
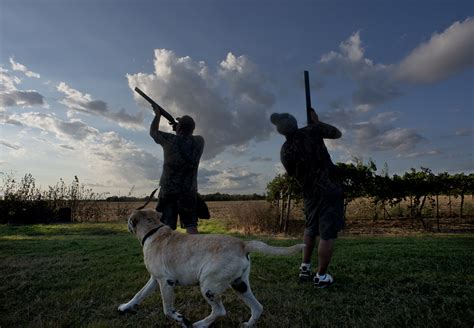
<point x="305" y="279"/>
<point x="324" y="286"/>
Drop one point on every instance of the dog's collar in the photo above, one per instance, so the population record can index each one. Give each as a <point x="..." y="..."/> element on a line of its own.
<point x="151" y="232"/>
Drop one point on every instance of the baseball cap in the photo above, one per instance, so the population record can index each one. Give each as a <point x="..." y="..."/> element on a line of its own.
<point x="186" y="122"/>
<point x="285" y="123"/>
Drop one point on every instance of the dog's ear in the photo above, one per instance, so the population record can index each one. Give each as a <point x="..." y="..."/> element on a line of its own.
<point x="134" y="219"/>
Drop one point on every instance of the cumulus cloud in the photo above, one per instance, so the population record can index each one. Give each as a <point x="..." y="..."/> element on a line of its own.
<point x="107" y="154"/>
<point x="362" y="134"/>
<point x="444" y="55"/>
<point x="245" y="81"/>
<point x="77" y="101"/>
<point x="398" y="139"/>
<point x="6" y="119"/>
<point x="374" y="84"/>
<point x="228" y="180"/>
<point x="229" y="103"/>
<point x="22" y="68"/>
<point x="11" y="96"/>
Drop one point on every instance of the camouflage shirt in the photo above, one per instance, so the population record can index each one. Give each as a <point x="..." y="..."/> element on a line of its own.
<point x="181" y="162"/>
<point x="305" y="157"/>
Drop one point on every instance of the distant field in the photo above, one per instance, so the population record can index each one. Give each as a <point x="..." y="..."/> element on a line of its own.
<point x="360" y="215"/>
<point x="77" y="275"/>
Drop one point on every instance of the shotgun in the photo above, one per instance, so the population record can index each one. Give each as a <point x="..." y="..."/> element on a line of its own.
<point x="308" y="96"/>
<point x="156" y="106"/>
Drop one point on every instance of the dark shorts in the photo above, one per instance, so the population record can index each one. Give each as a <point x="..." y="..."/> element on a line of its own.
<point x="183" y="205"/>
<point x="324" y="213"/>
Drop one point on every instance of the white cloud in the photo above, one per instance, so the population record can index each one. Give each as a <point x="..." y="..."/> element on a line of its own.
<point x="14" y="150"/>
<point x="362" y="135"/>
<point x="260" y="159"/>
<point x="9" y="145"/>
<point x="22" y="68"/>
<point x="77" y="101"/>
<point x="6" y="119"/>
<point x="228" y="180"/>
<point x="398" y="139"/>
<point x="431" y="152"/>
<point x="107" y="155"/>
<point x="352" y="48"/>
<point x="444" y="55"/>
<point x="374" y="84"/>
<point x="230" y="104"/>
<point x="245" y="80"/>
<point x="10" y="96"/>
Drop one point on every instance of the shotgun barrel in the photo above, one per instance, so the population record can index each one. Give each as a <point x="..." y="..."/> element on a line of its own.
<point x="308" y="96"/>
<point x="155" y="105"/>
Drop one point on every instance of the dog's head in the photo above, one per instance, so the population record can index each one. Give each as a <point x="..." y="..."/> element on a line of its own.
<point x="142" y="221"/>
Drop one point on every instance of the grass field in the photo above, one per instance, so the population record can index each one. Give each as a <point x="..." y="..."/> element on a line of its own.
<point x="77" y="275"/>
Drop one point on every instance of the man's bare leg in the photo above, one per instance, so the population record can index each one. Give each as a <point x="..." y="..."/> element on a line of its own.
<point x="325" y="250"/>
<point x="310" y="243"/>
<point x="305" y="267"/>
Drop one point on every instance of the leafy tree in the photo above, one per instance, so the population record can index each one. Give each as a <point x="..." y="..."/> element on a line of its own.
<point x="357" y="179"/>
<point x="462" y="184"/>
<point x="282" y="190"/>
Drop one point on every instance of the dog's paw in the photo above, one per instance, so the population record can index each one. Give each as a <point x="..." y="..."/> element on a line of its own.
<point x="181" y="319"/>
<point x="126" y="308"/>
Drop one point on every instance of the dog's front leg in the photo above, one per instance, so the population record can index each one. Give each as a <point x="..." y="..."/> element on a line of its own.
<point x="140" y="296"/>
<point x="167" y="295"/>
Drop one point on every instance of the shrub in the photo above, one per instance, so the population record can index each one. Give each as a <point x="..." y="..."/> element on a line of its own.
<point x="254" y="217"/>
<point x="23" y="203"/>
<point x="25" y="212"/>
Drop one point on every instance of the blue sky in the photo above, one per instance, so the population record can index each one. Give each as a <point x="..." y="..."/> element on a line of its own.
<point x="395" y="76"/>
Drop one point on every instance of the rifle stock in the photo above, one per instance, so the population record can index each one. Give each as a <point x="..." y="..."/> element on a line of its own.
<point x="155" y="105"/>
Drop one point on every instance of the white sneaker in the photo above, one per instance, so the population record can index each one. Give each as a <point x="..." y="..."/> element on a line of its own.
<point x="305" y="273"/>
<point x="323" y="281"/>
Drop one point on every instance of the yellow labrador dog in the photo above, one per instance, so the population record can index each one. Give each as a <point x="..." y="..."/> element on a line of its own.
<point x="214" y="262"/>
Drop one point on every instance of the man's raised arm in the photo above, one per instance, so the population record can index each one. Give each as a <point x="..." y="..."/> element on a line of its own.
<point x="155" y="124"/>
<point x="327" y="131"/>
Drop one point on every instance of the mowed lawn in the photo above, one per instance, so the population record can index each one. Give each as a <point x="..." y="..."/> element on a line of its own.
<point x="77" y="275"/>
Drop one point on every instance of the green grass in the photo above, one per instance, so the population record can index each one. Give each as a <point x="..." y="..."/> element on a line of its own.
<point x="77" y="275"/>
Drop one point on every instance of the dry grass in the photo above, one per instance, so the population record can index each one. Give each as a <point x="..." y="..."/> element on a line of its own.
<point x="362" y="216"/>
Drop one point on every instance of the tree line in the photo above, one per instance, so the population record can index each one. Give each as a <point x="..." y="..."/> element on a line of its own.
<point x="418" y="187"/>
<point x="215" y="197"/>
<point x="23" y="202"/>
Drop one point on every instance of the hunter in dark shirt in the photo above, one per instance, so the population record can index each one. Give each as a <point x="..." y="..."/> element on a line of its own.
<point x="178" y="192"/>
<point x="305" y="157"/>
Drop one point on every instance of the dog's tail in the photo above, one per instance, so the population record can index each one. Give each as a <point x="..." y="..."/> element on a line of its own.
<point x="261" y="247"/>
